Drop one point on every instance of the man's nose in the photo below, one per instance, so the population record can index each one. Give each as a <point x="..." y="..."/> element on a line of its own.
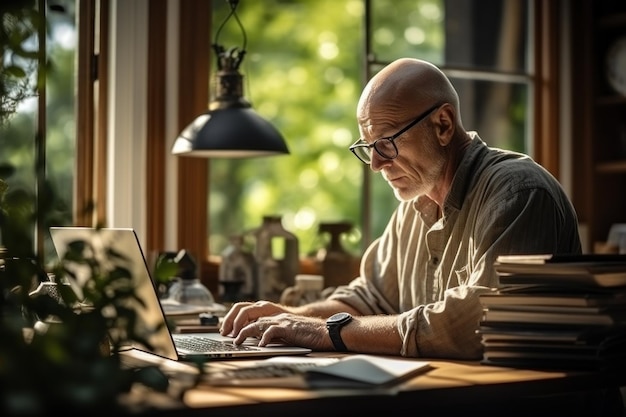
<point x="378" y="162"/>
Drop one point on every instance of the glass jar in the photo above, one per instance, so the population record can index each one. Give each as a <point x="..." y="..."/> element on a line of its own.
<point x="192" y="291"/>
<point x="308" y="289"/>
<point x="188" y="289"/>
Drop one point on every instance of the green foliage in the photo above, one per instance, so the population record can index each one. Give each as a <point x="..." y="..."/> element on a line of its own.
<point x="19" y="135"/>
<point x="19" y="23"/>
<point x="165" y="268"/>
<point x="303" y="73"/>
<point x="60" y="351"/>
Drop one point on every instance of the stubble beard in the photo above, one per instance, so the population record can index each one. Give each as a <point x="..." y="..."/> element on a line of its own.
<point x="429" y="178"/>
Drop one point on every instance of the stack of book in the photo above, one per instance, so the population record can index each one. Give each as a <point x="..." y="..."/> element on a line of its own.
<point x="557" y="312"/>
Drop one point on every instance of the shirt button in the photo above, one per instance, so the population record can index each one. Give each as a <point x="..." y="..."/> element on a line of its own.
<point x="435" y="261"/>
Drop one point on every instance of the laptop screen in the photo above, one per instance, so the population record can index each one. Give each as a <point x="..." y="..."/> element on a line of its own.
<point x="150" y="315"/>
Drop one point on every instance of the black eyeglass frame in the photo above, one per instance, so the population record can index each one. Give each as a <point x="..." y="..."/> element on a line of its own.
<point x="365" y="148"/>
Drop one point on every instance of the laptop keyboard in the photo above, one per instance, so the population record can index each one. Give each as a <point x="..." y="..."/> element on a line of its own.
<point x="201" y="344"/>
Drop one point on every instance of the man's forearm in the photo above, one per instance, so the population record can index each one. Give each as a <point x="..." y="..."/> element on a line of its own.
<point x="324" y="309"/>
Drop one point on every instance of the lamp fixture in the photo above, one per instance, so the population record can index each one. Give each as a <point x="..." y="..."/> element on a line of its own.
<point x="230" y="128"/>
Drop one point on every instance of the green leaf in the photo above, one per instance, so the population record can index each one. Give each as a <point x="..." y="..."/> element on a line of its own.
<point x="165" y="269"/>
<point x="15" y="71"/>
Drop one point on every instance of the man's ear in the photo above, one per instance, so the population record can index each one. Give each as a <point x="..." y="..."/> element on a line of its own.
<point x="444" y="124"/>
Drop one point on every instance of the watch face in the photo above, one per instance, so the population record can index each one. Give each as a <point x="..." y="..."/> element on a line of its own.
<point x="616" y="65"/>
<point x="339" y="318"/>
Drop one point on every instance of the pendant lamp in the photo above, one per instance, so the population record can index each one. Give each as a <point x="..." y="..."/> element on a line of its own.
<point x="230" y="128"/>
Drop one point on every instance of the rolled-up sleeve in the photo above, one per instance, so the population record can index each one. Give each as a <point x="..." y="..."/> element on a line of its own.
<point x="373" y="292"/>
<point x="444" y="329"/>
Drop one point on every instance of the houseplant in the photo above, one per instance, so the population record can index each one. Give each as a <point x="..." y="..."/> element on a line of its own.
<point x="73" y="363"/>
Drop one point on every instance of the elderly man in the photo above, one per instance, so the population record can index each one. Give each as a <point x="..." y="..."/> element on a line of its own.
<point x="462" y="204"/>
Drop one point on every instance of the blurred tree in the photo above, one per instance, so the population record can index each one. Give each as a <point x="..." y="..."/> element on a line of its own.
<point x="304" y="73"/>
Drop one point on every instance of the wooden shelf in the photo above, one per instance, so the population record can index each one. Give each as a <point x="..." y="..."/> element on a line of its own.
<point x="611" y="167"/>
<point x="599" y="119"/>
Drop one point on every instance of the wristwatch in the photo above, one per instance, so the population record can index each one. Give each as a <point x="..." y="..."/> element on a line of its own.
<point x="334" y="324"/>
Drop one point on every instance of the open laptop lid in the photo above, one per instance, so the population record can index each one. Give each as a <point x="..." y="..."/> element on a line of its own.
<point x="151" y="314"/>
<point x="125" y="241"/>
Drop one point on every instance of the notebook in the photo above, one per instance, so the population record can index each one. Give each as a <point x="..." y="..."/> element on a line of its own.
<point x="164" y="343"/>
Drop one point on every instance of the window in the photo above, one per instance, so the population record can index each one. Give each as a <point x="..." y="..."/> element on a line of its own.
<point x="52" y="112"/>
<point x="309" y="88"/>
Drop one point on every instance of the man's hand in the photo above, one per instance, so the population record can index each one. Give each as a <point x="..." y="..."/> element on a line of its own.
<point x="289" y="329"/>
<point x="273" y="323"/>
<point x="242" y="314"/>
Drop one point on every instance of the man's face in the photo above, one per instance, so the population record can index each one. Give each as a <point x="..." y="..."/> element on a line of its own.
<point x="420" y="162"/>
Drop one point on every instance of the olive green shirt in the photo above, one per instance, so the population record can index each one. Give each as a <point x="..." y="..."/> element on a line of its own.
<point x="430" y="271"/>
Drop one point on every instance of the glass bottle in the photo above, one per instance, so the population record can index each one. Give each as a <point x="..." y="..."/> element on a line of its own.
<point x="336" y="261"/>
<point x="277" y="258"/>
<point x="237" y="272"/>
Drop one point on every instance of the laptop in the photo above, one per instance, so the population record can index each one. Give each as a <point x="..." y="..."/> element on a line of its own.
<point x="164" y="343"/>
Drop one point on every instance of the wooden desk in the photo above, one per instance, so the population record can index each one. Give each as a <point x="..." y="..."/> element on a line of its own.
<point x="449" y="387"/>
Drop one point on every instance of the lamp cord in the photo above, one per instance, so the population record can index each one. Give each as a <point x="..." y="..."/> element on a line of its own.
<point x="233" y="13"/>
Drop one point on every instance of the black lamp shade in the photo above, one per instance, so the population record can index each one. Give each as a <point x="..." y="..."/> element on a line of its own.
<point x="231" y="128"/>
<point x="233" y="132"/>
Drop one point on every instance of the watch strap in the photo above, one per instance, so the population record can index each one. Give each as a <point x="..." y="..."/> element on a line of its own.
<point x="334" y="331"/>
<point x="335" y="337"/>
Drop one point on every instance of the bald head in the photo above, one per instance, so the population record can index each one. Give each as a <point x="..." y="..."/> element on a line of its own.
<point x="406" y="87"/>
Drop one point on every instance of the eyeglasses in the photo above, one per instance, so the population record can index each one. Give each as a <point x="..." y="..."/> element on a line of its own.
<point x="385" y="147"/>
